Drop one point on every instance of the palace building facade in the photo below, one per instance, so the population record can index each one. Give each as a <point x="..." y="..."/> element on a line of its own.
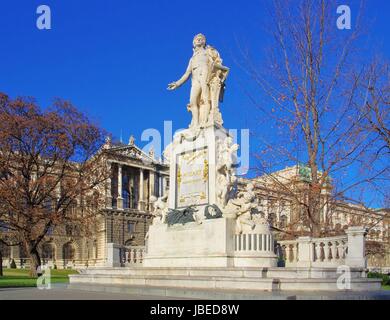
<point x="135" y="177"/>
<point x="282" y="193"/>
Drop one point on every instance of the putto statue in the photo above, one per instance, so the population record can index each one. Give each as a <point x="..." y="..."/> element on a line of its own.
<point x="160" y="208"/>
<point x="208" y="82"/>
<point x="226" y="177"/>
<point x="242" y="207"/>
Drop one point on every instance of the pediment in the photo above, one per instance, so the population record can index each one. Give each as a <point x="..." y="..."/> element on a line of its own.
<point x="132" y="152"/>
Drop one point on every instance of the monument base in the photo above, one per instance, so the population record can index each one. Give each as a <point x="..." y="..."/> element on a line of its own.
<point x="224" y="280"/>
<point x="210" y="244"/>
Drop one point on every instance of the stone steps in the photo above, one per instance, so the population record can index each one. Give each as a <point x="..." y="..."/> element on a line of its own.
<point x="217" y="294"/>
<point x="282" y="273"/>
<point x="201" y="282"/>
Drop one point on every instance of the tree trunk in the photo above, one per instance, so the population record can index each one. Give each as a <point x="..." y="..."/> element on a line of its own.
<point x="35" y="261"/>
<point x="1" y="263"/>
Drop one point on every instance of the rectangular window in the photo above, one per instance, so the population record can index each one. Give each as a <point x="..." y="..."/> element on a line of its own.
<point x="130" y="227"/>
<point x="68" y="230"/>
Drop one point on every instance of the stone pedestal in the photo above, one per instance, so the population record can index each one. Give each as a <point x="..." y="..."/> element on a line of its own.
<point x="305" y="252"/>
<point x="206" y="235"/>
<point x="113" y="255"/>
<point x="193" y="159"/>
<point x="255" y="248"/>
<point x="356" y="247"/>
<point x="209" y="244"/>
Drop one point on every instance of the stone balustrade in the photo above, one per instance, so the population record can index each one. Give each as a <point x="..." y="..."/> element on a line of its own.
<point x="305" y="252"/>
<point x="251" y="242"/>
<point x="120" y="256"/>
<point x="134" y="254"/>
<point x="325" y="252"/>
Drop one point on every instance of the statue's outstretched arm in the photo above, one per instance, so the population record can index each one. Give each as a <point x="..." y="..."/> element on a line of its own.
<point x="184" y="78"/>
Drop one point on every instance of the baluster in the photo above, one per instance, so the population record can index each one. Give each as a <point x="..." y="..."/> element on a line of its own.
<point x="313" y="251"/>
<point x="139" y="256"/>
<point x="337" y="244"/>
<point x="318" y="251"/>
<point x="290" y="253"/>
<point x="260" y="242"/>
<point x="322" y="249"/>
<point x="142" y="255"/>
<point x="329" y="251"/>
<point x="345" y="248"/>
<point x="131" y="255"/>
<point x="294" y="252"/>
<point x="326" y="250"/>
<point x="255" y="242"/>
<point x="334" y="251"/>
<point x="284" y="255"/>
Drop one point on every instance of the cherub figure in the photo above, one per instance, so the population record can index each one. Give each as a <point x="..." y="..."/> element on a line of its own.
<point x="242" y="207"/>
<point x="226" y="177"/>
<point x="160" y="208"/>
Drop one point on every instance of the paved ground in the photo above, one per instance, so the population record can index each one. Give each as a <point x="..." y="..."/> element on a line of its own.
<point x="100" y="292"/>
<point x="61" y="292"/>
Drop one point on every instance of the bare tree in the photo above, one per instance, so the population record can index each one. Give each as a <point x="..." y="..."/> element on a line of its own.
<point x="376" y="109"/>
<point x="51" y="170"/>
<point x="311" y="97"/>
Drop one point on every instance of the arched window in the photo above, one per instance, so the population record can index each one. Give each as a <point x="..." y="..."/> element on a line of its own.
<point x="69" y="251"/>
<point x="48" y="251"/>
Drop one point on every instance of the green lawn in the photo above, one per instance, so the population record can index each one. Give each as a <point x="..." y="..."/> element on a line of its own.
<point x="20" y="278"/>
<point x="386" y="287"/>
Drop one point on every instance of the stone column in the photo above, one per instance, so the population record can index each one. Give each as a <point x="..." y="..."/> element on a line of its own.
<point x="163" y="185"/>
<point x="151" y="183"/>
<point x="160" y="186"/>
<point x="305" y="252"/>
<point x="119" y="199"/>
<point x="356" y="247"/>
<point x="141" y="190"/>
<point x="108" y="187"/>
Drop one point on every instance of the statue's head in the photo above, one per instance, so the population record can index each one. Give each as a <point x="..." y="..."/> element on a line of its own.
<point x="199" y="40"/>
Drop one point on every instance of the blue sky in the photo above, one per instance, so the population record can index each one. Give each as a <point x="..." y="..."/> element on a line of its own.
<point x="114" y="59"/>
